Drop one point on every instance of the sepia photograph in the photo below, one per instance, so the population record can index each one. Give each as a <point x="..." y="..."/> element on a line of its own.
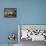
<point x="10" y="12"/>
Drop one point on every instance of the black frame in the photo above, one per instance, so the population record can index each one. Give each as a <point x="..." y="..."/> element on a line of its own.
<point x="13" y="16"/>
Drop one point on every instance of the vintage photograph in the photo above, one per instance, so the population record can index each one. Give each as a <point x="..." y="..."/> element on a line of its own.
<point x="10" y="12"/>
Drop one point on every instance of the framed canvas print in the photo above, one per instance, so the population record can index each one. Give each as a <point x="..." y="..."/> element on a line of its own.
<point x="10" y="12"/>
<point x="32" y="32"/>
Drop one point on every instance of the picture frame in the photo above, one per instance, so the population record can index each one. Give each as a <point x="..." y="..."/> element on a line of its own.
<point x="10" y="12"/>
<point x="38" y="30"/>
